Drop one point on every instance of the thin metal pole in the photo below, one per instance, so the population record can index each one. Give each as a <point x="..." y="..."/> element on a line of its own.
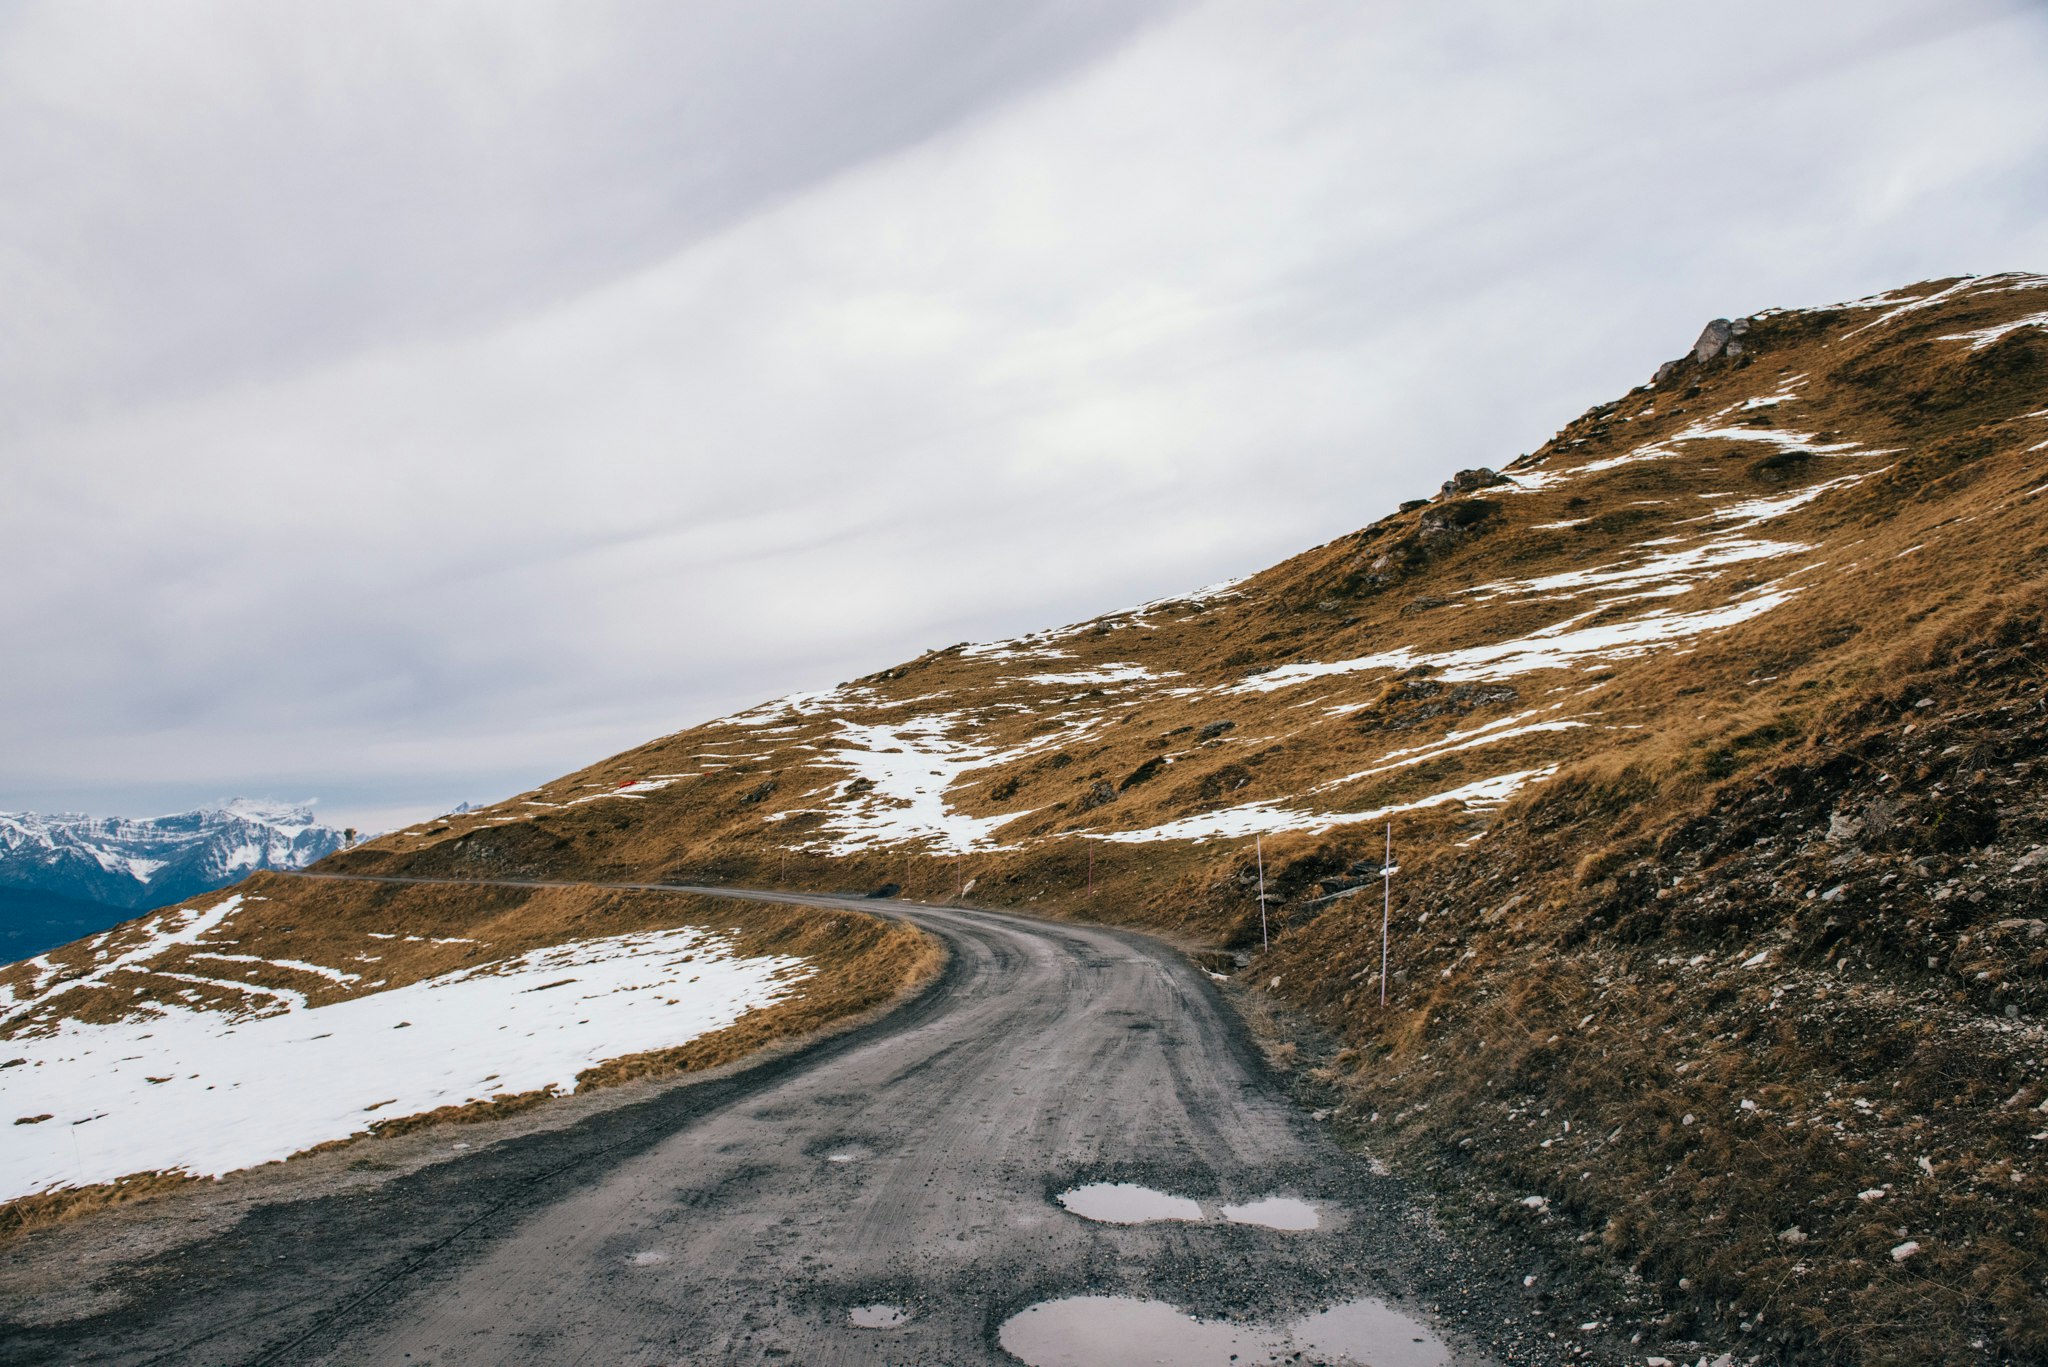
<point x="1386" y="907"/>
<point x="1259" y="846"/>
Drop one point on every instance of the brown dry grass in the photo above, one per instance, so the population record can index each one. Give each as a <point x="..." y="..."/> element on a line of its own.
<point x="55" y="1207"/>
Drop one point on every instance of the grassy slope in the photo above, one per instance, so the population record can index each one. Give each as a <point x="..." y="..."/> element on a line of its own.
<point x="1586" y="950"/>
<point x="1771" y="787"/>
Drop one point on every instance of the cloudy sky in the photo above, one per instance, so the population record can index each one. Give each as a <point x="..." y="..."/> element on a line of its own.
<point x="404" y="402"/>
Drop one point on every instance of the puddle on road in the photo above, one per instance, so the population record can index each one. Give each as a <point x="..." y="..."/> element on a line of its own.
<point x="1275" y="1212"/>
<point x="878" y="1316"/>
<point x="648" y="1258"/>
<point x="1122" y="1331"/>
<point x="1112" y="1331"/>
<point x="1367" y="1331"/>
<point x="1126" y="1203"/>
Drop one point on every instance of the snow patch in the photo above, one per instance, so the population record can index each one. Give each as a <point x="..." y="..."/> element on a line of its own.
<point x="1562" y="645"/>
<point x="205" y="1093"/>
<point x="1263" y="818"/>
<point x="1984" y="337"/>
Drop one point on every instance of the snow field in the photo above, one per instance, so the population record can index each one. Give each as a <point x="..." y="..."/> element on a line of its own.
<point x="207" y="1093"/>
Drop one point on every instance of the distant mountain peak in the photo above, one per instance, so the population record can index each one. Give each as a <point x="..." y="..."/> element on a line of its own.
<point x="131" y="863"/>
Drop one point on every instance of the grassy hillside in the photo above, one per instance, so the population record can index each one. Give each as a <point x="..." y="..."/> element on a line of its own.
<point x="1710" y="735"/>
<point x="1709" y="732"/>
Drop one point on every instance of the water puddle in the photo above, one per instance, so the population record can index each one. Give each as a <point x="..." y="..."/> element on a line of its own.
<point x="1126" y="1203"/>
<point x="1275" y="1212"/>
<point x="1122" y="1331"/>
<point x="878" y="1316"/>
<point x="1368" y="1330"/>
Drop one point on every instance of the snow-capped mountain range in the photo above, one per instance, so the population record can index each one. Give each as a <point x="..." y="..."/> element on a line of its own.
<point x="132" y="864"/>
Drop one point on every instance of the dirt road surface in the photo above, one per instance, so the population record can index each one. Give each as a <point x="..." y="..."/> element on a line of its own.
<point x="915" y="1163"/>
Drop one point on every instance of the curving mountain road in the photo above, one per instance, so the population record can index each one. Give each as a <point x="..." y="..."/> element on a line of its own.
<point x="913" y="1162"/>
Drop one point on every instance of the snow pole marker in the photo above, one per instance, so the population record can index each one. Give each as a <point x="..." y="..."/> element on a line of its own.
<point x="1259" y="849"/>
<point x="1387" y="872"/>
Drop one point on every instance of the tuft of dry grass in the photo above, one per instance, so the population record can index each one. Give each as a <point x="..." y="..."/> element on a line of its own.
<point x="55" y="1207"/>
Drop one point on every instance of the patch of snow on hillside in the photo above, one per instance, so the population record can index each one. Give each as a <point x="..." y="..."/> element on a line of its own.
<point x="911" y="765"/>
<point x="1788" y="390"/>
<point x="1754" y="511"/>
<point x="1559" y="646"/>
<point x="1912" y="305"/>
<point x="1782" y="439"/>
<point x="162" y="931"/>
<point x="202" y="1093"/>
<point x="1107" y="674"/>
<point x="1023" y="649"/>
<point x="292" y="1001"/>
<point x="1208" y="593"/>
<point x="1680" y="569"/>
<point x="300" y="964"/>
<point x="1264" y="818"/>
<point x="1492" y="733"/>
<point x="1984" y="337"/>
<point x="804" y="703"/>
<point x="635" y="789"/>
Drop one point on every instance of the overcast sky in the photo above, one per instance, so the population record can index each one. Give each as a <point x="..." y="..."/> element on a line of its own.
<point x="402" y="403"/>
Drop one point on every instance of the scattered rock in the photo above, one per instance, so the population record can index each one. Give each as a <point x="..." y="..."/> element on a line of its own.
<point x="1465" y="481"/>
<point x="1148" y="770"/>
<point x="1099" y="794"/>
<point x="1718" y="339"/>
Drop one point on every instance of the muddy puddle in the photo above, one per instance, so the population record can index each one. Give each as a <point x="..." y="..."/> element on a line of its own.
<point x="1123" y="1331"/>
<point x="1275" y="1212"/>
<point x="1126" y="1203"/>
<point x="878" y="1316"/>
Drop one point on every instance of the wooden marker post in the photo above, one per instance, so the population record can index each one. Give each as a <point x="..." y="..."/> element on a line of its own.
<point x="1387" y="872"/>
<point x="1259" y="849"/>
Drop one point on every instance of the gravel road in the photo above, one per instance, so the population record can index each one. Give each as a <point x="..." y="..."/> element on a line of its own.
<point x="913" y="1164"/>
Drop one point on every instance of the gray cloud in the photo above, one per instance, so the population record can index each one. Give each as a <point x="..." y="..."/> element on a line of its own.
<point x="412" y="408"/>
